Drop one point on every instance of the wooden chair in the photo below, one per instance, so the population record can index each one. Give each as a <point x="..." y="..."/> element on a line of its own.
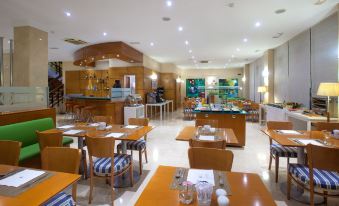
<point x="102" y="149"/>
<point x="139" y="145"/>
<point x="207" y="158"/>
<point x="328" y="126"/>
<point x="107" y="119"/>
<point x="49" y="139"/>
<point x="212" y="122"/>
<point x="217" y="144"/>
<point x="88" y="113"/>
<point x="276" y="150"/>
<point x="9" y="152"/>
<point x="253" y="112"/>
<point x="320" y="176"/>
<point x="62" y="159"/>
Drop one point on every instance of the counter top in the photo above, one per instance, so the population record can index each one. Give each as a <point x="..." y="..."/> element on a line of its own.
<point x="215" y="109"/>
<point x="88" y="97"/>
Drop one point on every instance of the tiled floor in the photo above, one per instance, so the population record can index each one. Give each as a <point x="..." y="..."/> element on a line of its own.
<point x="163" y="149"/>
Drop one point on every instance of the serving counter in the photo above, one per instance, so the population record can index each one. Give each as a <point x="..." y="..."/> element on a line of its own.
<point x="236" y="120"/>
<point x="103" y="107"/>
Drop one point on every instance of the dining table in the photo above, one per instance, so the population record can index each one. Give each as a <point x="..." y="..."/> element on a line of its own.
<point x="80" y="130"/>
<point x="190" y="132"/>
<point x="247" y="189"/>
<point x="295" y="138"/>
<point x="37" y="193"/>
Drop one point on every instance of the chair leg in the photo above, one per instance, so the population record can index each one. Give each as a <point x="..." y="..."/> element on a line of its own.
<point x="74" y="192"/>
<point x="288" y="186"/>
<point x="270" y="162"/>
<point x="276" y="168"/>
<point x="325" y="197"/>
<point x="140" y="162"/>
<point x="90" y="187"/>
<point x="131" y="174"/>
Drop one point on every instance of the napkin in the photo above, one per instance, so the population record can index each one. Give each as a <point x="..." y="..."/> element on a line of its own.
<point x="206" y="137"/>
<point x="115" y="135"/>
<point x="288" y="131"/>
<point x="66" y="127"/>
<point x="73" y="131"/>
<point x="20" y="178"/>
<point x="195" y="176"/>
<point x="131" y="126"/>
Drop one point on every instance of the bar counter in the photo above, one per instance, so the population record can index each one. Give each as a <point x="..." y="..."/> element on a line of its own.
<point x="103" y="106"/>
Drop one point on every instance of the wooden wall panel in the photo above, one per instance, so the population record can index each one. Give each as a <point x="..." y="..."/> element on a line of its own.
<point x="72" y="79"/>
<point x="7" y="118"/>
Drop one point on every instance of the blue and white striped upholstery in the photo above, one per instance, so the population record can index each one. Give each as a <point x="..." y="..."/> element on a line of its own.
<point x="281" y="151"/>
<point x="61" y="199"/>
<point x="102" y="166"/>
<point x="322" y="178"/>
<point x="134" y="145"/>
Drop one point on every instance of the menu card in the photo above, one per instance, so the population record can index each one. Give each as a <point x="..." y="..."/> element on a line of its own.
<point x="94" y="124"/>
<point x="115" y="135"/>
<point x="309" y="141"/>
<point x="207" y="137"/>
<point x="288" y="132"/>
<point x="20" y="178"/>
<point x="195" y="176"/>
<point x="73" y="131"/>
<point x="66" y="127"/>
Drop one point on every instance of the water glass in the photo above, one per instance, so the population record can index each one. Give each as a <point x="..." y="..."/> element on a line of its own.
<point x="204" y="193"/>
<point x="186" y="193"/>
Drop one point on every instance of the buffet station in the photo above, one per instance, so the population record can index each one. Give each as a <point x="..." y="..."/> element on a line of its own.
<point x="228" y="116"/>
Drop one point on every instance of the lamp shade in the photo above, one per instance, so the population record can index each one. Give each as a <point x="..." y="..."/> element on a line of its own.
<point x="262" y="89"/>
<point x="328" y="89"/>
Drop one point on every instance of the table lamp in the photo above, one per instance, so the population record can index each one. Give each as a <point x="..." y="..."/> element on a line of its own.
<point x="328" y="89"/>
<point x="262" y="89"/>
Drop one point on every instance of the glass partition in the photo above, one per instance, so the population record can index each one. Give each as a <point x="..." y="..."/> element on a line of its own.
<point x="19" y="98"/>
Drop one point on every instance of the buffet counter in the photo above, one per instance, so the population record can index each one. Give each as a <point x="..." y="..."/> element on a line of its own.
<point x="227" y="118"/>
<point x="103" y="106"/>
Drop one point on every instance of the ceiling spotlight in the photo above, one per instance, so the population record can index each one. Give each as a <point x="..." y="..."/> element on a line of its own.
<point x="245" y="40"/>
<point x="186" y="42"/>
<point x="257" y="24"/>
<point x="40" y="39"/>
<point x="233" y="56"/>
<point x="68" y="14"/>
<point x="180" y="28"/>
<point x="190" y="51"/>
<point x="152" y="44"/>
<point x="105" y="34"/>
<point x="169" y="3"/>
<point x="9" y="41"/>
<point x="238" y="49"/>
<point x="118" y="55"/>
<point x="193" y="57"/>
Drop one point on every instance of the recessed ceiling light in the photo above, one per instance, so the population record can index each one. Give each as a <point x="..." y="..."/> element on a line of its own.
<point x="190" y="51"/>
<point x="238" y="49"/>
<point x="9" y="41"/>
<point x="280" y="11"/>
<point x="103" y="57"/>
<point x="166" y="18"/>
<point x="152" y="44"/>
<point x="105" y="34"/>
<point x="68" y="14"/>
<point x="186" y="42"/>
<point x="40" y="39"/>
<point x="169" y="3"/>
<point x="233" y="56"/>
<point x="131" y="61"/>
<point x="245" y="40"/>
<point x="193" y="57"/>
<point x="118" y="55"/>
<point x="180" y="28"/>
<point x="257" y="24"/>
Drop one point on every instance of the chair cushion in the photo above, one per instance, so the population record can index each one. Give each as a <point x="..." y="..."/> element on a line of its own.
<point x="321" y="178"/>
<point x="134" y="145"/>
<point x="61" y="199"/>
<point x="281" y="151"/>
<point x="102" y="166"/>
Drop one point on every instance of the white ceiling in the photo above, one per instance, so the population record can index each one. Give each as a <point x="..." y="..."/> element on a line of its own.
<point x="213" y="29"/>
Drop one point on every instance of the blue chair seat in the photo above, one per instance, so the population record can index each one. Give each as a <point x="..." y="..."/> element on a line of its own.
<point x="102" y="166"/>
<point x="322" y="179"/>
<point x="61" y="199"/>
<point x="134" y="145"/>
<point x="281" y="151"/>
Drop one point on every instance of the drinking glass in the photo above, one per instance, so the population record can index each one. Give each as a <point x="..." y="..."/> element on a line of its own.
<point x="204" y="193"/>
<point x="186" y="193"/>
<point x="327" y="137"/>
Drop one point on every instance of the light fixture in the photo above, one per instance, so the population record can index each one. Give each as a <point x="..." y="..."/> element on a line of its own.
<point x="193" y="57"/>
<point x="238" y="49"/>
<point x="190" y="51"/>
<point x="178" y="79"/>
<point x="328" y="89"/>
<point x="180" y="28"/>
<point x="257" y="24"/>
<point x="152" y="44"/>
<point x="131" y="61"/>
<point x="244" y="79"/>
<point x="118" y="55"/>
<point x="103" y="57"/>
<point x="265" y="72"/>
<point x="40" y="39"/>
<point x="105" y="34"/>
<point x="186" y="42"/>
<point x="154" y="76"/>
<point x="169" y="3"/>
<point x="245" y="40"/>
<point x="232" y="56"/>
<point x="262" y="89"/>
<point x="68" y="14"/>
